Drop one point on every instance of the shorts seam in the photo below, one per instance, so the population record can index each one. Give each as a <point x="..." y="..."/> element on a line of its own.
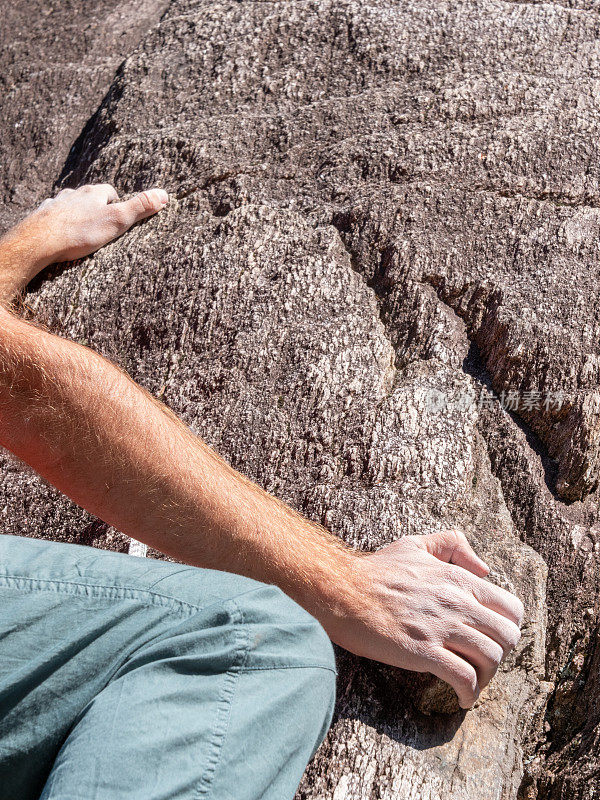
<point x="309" y="618"/>
<point x="102" y="590"/>
<point x="290" y="666"/>
<point x="221" y="728"/>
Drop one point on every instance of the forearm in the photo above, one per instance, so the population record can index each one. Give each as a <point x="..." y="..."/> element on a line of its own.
<point x="99" y="438"/>
<point x="420" y="603"/>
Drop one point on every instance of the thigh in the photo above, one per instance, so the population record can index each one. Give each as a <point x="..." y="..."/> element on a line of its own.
<point x="71" y="618"/>
<point x="230" y="708"/>
<point x="131" y="678"/>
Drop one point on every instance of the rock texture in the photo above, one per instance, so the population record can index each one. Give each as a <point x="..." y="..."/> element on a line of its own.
<point x="58" y="58"/>
<point x="376" y="294"/>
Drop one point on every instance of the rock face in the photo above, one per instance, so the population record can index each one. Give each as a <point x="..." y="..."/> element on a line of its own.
<point x="375" y="293"/>
<point x="57" y="59"/>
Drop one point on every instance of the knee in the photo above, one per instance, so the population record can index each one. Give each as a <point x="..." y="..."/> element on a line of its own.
<point x="286" y="640"/>
<point x="281" y="633"/>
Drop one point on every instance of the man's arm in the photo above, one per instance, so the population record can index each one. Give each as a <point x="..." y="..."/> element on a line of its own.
<point x="420" y="603"/>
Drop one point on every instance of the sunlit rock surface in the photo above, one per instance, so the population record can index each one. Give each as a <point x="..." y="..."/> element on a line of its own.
<point x="375" y="293"/>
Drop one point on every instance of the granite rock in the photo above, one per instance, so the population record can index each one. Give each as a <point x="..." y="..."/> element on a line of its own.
<point x="375" y="292"/>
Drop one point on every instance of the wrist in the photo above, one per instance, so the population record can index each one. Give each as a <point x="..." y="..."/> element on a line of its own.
<point x="21" y="260"/>
<point x="23" y="245"/>
<point x="337" y="589"/>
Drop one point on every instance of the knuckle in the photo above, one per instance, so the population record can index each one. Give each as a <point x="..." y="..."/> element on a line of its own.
<point x="460" y="599"/>
<point x="460" y="537"/>
<point x="460" y="577"/>
<point x="119" y="216"/>
<point x="433" y="537"/>
<point x="504" y="601"/>
<point x="450" y="599"/>
<point x="409" y="539"/>
<point x="489" y="651"/>
<point x="414" y="541"/>
<point x="455" y="537"/>
<point x="439" y="538"/>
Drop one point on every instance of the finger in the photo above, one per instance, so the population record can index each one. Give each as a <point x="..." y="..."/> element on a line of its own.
<point x="111" y="193"/>
<point x="452" y="546"/>
<point x="478" y="649"/>
<point x="499" y="600"/>
<point x="494" y="625"/>
<point x="458" y="673"/>
<point x="103" y="191"/>
<point x="142" y="205"/>
<point x="65" y="192"/>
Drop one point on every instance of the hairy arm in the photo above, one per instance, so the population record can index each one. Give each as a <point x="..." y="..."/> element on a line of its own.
<point x="421" y="603"/>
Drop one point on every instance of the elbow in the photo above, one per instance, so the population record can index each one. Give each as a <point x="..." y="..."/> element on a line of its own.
<point x="9" y="322"/>
<point x="6" y="316"/>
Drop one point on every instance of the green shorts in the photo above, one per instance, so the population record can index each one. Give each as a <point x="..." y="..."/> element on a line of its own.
<point x="124" y="678"/>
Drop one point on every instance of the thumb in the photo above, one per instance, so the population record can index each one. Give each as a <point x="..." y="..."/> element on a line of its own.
<point x="452" y="546"/>
<point x="140" y="206"/>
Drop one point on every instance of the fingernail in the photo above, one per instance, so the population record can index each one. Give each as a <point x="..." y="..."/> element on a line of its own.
<point x="162" y="196"/>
